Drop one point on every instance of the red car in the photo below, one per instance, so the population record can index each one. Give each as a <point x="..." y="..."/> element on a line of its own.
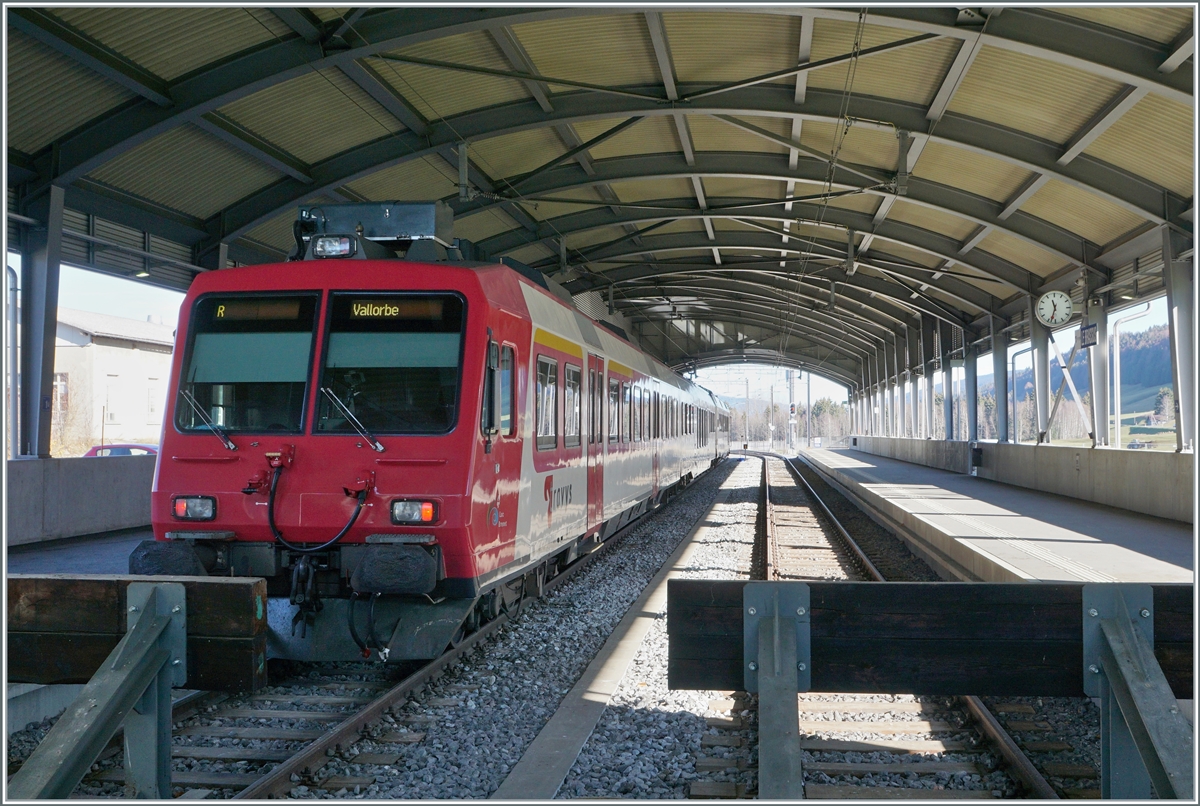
<point x="122" y="449"/>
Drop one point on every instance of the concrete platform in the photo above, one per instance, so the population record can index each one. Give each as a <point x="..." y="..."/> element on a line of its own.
<point x="985" y="530"/>
<point x="105" y="553"/>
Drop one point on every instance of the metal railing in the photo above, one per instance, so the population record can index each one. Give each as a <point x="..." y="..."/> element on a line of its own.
<point x="131" y="688"/>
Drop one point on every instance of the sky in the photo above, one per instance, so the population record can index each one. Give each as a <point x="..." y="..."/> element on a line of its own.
<point x="115" y="296"/>
<point x="729" y="381"/>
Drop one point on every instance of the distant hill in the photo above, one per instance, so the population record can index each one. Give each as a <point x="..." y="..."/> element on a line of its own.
<point x="1145" y="367"/>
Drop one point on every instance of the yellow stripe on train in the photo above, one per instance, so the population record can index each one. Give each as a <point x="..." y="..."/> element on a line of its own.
<point x="557" y="343"/>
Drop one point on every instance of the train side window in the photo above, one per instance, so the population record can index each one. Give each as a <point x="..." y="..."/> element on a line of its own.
<point x="646" y="416"/>
<point x="547" y="403"/>
<point x="626" y="412"/>
<point x="508" y="364"/>
<point x="614" y="410"/>
<point x="636" y="426"/>
<point x="572" y="405"/>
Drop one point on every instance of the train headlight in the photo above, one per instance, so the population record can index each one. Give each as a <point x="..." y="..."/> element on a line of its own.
<point x="333" y="246"/>
<point x="414" y="512"/>
<point x="194" y="508"/>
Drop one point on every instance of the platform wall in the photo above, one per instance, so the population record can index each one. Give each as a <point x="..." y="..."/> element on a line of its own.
<point x="1155" y="483"/>
<point x="53" y="498"/>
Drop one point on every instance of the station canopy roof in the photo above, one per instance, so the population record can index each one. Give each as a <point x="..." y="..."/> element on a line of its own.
<point x="797" y="182"/>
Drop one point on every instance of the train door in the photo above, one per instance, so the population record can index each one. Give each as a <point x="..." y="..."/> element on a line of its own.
<point x="502" y="457"/>
<point x="595" y="442"/>
<point x="655" y="443"/>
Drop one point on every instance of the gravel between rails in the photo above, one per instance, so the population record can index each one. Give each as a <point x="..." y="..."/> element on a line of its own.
<point x="522" y="674"/>
<point x="646" y="743"/>
<point x="883" y="549"/>
<point x="1073" y="720"/>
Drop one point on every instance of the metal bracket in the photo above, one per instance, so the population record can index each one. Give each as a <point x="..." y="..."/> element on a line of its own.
<point x="1131" y="601"/>
<point x="164" y="599"/>
<point x="776" y="604"/>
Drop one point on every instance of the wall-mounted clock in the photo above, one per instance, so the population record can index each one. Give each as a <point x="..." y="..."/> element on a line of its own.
<point x="1054" y="308"/>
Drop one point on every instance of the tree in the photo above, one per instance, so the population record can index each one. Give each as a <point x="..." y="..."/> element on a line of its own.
<point x="1164" y="404"/>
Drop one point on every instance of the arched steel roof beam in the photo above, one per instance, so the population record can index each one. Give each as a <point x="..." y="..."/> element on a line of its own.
<point x="1085" y="46"/>
<point x="869" y="305"/>
<point x="799" y="306"/>
<point x="909" y="235"/>
<point x="876" y="290"/>
<point x="829" y="362"/>
<point x="879" y="294"/>
<point x="799" y="319"/>
<point x="797" y="322"/>
<point x="982" y="212"/>
<point x="835" y="218"/>
<point x="753" y="241"/>
<point x="734" y="355"/>
<point x="801" y="298"/>
<point x="1140" y="196"/>
<point x="1108" y="53"/>
<point x="849" y="364"/>
<point x="823" y="349"/>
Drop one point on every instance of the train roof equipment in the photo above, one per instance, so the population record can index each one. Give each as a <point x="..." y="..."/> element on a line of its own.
<point x="415" y="231"/>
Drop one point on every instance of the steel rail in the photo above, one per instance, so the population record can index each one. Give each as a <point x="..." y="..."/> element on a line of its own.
<point x="1019" y="763"/>
<point x="770" y="564"/>
<point x="278" y="782"/>
<point x="859" y="555"/>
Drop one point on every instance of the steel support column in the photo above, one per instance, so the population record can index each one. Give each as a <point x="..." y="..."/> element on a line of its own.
<point x="1039" y="342"/>
<point x="1097" y="314"/>
<point x="39" y="325"/>
<point x="901" y="371"/>
<point x="1000" y="377"/>
<point x="870" y="395"/>
<point x="886" y="392"/>
<point x="927" y="360"/>
<point x="914" y="361"/>
<point x="881" y="371"/>
<point x="1179" y="277"/>
<point x="947" y="380"/>
<point x="972" y="380"/>
<point x="894" y="395"/>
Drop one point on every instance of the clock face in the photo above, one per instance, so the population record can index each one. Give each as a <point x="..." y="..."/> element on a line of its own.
<point x="1054" y="308"/>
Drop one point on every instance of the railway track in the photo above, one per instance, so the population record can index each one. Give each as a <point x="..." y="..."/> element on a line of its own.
<point x="326" y="729"/>
<point x="879" y="746"/>
<point x="283" y="738"/>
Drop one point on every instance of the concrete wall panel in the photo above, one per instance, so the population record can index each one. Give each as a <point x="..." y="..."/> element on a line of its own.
<point x="54" y="498"/>
<point x="1155" y="483"/>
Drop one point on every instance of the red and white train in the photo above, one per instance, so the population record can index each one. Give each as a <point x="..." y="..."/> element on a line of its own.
<point x="404" y="449"/>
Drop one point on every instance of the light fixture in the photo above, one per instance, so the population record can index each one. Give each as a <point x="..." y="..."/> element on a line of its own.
<point x="141" y="273"/>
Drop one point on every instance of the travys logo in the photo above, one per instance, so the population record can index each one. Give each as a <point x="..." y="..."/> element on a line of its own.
<point x="555" y="497"/>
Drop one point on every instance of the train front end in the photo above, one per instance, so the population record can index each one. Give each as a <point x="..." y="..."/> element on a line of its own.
<point x="312" y="437"/>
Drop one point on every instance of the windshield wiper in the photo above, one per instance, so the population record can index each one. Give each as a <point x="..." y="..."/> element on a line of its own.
<point x="349" y="415"/>
<point x="217" y="432"/>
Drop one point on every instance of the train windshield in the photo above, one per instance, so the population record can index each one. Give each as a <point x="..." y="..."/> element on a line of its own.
<point x="393" y="363"/>
<point x="248" y="363"/>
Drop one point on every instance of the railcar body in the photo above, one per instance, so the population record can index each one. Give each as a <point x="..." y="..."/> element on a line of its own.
<point x="404" y="450"/>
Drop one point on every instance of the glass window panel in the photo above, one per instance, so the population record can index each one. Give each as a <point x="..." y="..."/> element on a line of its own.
<point x="547" y="404"/>
<point x="572" y="405"/>
<point x="508" y="362"/>
<point x="248" y="362"/>
<point x="614" y="410"/>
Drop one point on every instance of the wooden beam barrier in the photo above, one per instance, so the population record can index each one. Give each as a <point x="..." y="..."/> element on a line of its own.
<point x="61" y="627"/>
<point x="986" y="639"/>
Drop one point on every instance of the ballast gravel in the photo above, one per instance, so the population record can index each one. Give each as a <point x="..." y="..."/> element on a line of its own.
<point x="492" y="704"/>
<point x="646" y="743"/>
